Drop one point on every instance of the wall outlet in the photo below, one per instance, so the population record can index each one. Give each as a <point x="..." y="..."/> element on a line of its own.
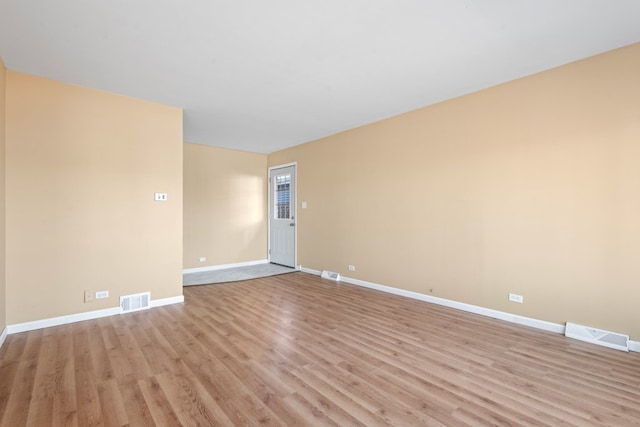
<point x="352" y="268"/>
<point x="202" y="259"/>
<point x="516" y="298"/>
<point x="88" y="295"/>
<point x="160" y="197"/>
<point x="102" y="294"/>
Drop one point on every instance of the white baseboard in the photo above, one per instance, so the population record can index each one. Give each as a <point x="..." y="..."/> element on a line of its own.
<point x="88" y="315"/>
<point x="310" y="271"/>
<point x="513" y="318"/>
<point x="3" y="336"/>
<point x="167" y="301"/>
<point x="509" y="317"/>
<point x="223" y="266"/>
<point x="61" y="320"/>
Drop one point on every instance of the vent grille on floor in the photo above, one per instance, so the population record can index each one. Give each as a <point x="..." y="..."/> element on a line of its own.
<point x="135" y="302"/>
<point x="331" y="275"/>
<point x="597" y="336"/>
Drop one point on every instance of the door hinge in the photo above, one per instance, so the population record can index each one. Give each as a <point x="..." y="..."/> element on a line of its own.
<point x="269" y="251"/>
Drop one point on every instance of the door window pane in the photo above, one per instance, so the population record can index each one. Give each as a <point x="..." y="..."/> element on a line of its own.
<point x="282" y="197"/>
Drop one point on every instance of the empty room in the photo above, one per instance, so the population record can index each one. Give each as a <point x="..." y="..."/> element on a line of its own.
<point x="348" y="213"/>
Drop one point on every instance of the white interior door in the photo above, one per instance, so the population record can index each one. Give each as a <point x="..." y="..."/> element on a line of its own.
<point x="282" y="216"/>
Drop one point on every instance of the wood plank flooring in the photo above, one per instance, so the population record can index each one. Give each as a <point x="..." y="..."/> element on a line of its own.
<point x="299" y="350"/>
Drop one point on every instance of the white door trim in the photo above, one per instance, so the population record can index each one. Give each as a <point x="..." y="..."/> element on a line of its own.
<point x="297" y="219"/>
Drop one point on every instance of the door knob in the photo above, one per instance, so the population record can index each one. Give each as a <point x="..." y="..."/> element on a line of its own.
<point x="292" y="224"/>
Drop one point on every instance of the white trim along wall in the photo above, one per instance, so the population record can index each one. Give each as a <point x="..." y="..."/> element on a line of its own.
<point x="513" y="318"/>
<point x="3" y="336"/>
<point x="72" y="318"/>
<point x="223" y="266"/>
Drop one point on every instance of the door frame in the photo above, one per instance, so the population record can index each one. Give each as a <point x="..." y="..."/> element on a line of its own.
<point x="269" y="207"/>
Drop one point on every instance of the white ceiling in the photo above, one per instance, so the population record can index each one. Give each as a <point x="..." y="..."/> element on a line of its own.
<point x="260" y="76"/>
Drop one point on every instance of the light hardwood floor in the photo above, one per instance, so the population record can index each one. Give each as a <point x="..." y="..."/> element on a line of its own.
<point x="299" y="350"/>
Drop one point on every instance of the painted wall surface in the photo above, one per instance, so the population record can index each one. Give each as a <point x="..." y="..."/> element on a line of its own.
<point x="225" y="203"/>
<point x="3" y="297"/>
<point x="530" y="187"/>
<point x="82" y="169"/>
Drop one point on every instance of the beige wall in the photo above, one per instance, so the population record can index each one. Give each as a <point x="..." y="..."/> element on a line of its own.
<point x="530" y="187"/>
<point x="82" y="167"/>
<point x="3" y="299"/>
<point x="224" y="206"/>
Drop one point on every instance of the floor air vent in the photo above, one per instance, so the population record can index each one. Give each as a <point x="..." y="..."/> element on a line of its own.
<point x="597" y="336"/>
<point x="135" y="302"/>
<point x="330" y="275"/>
